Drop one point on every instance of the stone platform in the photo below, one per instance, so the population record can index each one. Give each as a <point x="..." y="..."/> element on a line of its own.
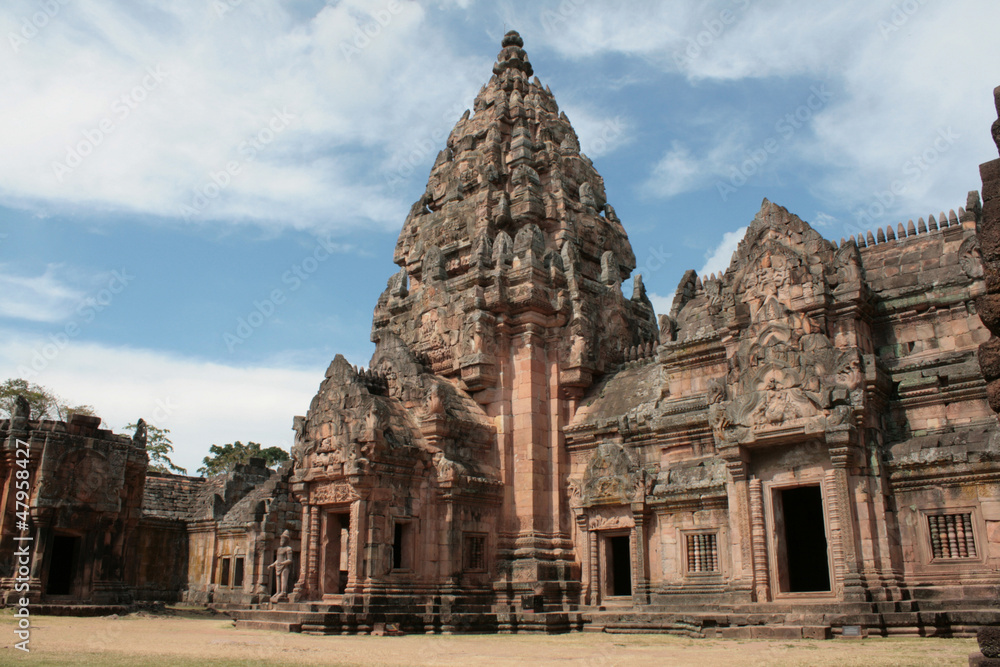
<point x="767" y="621"/>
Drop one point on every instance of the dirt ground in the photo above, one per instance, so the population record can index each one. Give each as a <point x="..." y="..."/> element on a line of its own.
<point x="192" y="637"/>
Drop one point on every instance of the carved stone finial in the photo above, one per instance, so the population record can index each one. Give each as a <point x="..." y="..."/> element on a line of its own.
<point x="512" y="38"/>
<point x="609" y="269"/>
<point x="512" y="56"/>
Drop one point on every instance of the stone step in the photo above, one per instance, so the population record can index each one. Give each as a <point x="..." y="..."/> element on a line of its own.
<point x="274" y="615"/>
<point x="774" y="632"/>
<point x="268" y="625"/>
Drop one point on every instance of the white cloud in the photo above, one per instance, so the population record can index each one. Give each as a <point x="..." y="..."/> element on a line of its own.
<point x="162" y="98"/>
<point x="682" y="170"/>
<point x="876" y="57"/>
<point x="47" y="297"/>
<point x="717" y="260"/>
<point x="822" y="219"/>
<point x="661" y="304"/>
<point x="202" y="403"/>
<point x="599" y="135"/>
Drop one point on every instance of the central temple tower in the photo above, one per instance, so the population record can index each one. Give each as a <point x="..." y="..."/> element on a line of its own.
<point x="510" y="288"/>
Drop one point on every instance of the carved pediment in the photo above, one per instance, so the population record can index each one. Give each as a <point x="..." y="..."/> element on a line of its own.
<point x="612" y="477"/>
<point x="83" y="476"/>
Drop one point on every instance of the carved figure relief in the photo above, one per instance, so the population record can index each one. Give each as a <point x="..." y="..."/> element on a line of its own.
<point x="611" y="477"/>
<point x="785" y="369"/>
<point x="325" y="494"/>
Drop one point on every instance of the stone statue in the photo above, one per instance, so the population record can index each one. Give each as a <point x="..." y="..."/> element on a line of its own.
<point x="22" y="409"/>
<point x="282" y="568"/>
<point x="140" y="436"/>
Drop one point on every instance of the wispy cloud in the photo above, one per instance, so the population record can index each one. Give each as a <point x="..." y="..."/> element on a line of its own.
<point x="717" y="260"/>
<point x="141" y="107"/>
<point x="683" y="169"/>
<point x="46" y="297"/>
<point x="877" y="57"/>
<point x="661" y="304"/>
<point x="202" y="403"/>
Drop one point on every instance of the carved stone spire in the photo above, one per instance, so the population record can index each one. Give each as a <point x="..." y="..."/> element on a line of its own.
<point x="512" y="170"/>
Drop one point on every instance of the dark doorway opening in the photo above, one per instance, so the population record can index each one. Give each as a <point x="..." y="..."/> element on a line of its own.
<point x="402" y="556"/>
<point x="620" y="567"/>
<point x="62" y="566"/>
<point x="334" y="565"/>
<point x="806" y="561"/>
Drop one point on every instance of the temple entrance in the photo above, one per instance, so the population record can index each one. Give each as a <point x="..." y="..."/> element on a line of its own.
<point x="803" y="561"/>
<point x="619" y="566"/>
<point x="62" y="565"/>
<point x="336" y="532"/>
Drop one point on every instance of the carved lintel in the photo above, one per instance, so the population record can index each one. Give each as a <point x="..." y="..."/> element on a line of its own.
<point x="333" y="492"/>
<point x="603" y="522"/>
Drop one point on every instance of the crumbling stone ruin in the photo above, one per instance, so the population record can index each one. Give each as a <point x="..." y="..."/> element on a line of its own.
<point x="802" y="447"/>
<point x="105" y="533"/>
<point x="83" y="512"/>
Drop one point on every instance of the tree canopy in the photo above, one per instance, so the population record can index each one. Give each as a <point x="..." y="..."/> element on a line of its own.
<point x="222" y="458"/>
<point x="44" y="403"/>
<point x="159" y="447"/>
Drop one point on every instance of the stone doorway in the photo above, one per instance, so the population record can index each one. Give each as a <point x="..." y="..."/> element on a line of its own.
<point x="336" y="539"/>
<point x="802" y="550"/>
<point x="618" y="570"/>
<point x="62" y="565"/>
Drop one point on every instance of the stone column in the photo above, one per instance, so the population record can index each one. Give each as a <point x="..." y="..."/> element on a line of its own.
<point x="836" y="542"/>
<point x="762" y="588"/>
<point x="300" y="591"/>
<point x="355" y="543"/>
<point x="43" y="537"/>
<point x="585" y="557"/>
<point x="640" y="584"/>
<point x="314" y="530"/>
<point x="739" y="520"/>
<point x="595" y="573"/>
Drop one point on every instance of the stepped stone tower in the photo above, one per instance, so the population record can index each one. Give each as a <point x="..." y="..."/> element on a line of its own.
<point x="510" y="287"/>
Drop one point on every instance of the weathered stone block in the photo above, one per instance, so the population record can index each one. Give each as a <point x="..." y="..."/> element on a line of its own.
<point x="988" y="638"/>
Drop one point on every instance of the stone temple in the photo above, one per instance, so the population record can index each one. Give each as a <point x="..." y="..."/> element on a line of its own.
<point x="803" y="445"/>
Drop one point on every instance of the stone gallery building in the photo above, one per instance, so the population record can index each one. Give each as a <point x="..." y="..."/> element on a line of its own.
<point x="803" y="444"/>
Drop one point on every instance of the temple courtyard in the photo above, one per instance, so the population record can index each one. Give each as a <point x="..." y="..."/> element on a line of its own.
<point x="188" y="635"/>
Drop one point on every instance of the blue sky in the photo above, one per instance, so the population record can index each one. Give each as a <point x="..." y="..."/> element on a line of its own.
<point x="199" y="200"/>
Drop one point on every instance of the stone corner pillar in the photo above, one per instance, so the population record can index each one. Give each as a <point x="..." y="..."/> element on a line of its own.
<point x="843" y="455"/>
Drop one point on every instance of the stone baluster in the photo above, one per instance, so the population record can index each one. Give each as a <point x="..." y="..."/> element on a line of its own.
<point x="314" y="530"/>
<point x="595" y="575"/>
